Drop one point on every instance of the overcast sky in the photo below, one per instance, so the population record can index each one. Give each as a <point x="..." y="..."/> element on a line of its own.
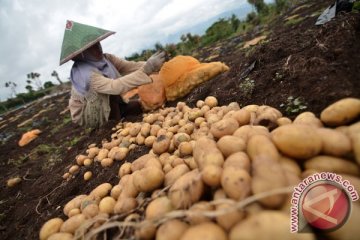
<point x="32" y="30"/>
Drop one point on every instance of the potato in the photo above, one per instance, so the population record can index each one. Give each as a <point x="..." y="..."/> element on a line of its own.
<point x="238" y="160"/>
<point x="211" y="101"/>
<point x="73" y="169"/>
<point x="191" y="163"/>
<point x="61" y="236"/>
<point x="74" y="212"/>
<point x="161" y="144"/>
<point x="334" y="142"/>
<point x="230" y="144"/>
<point x="175" y="173"/>
<point x="121" y="153"/>
<point x="148" y="179"/>
<point x="283" y="121"/>
<point x="224" y="127"/>
<point x="74" y="203"/>
<point x="308" y="118"/>
<point x="87" y="176"/>
<point x="154" y="129"/>
<point x="262" y="226"/>
<point x="236" y="183"/>
<point x="101" y="191"/>
<point x="87" y="162"/>
<point x="245" y="132"/>
<point x="124" y="169"/>
<point x="351" y="227"/>
<point x="124" y="205"/>
<point x="158" y="208"/>
<point x="91" y="210"/>
<point x="73" y="223"/>
<point x="80" y="159"/>
<point x="103" y="153"/>
<point x="206" y="153"/>
<point x="211" y="175"/>
<point x="207" y="230"/>
<point x="149" y="141"/>
<point x="185" y="149"/>
<point x="92" y="152"/>
<point x="297" y="140"/>
<point x="267" y="172"/>
<point x="186" y="190"/>
<point x="116" y="191"/>
<point x="354" y="133"/>
<point x="145" y="130"/>
<point x="195" y="215"/>
<point x="341" y="112"/>
<point x="229" y="219"/>
<point x="135" y="129"/>
<point x="106" y="205"/>
<point x="14" y="181"/>
<point x="107" y="162"/>
<point x="332" y="164"/>
<point x="50" y="227"/>
<point x="290" y="165"/>
<point x="267" y="116"/>
<point x="171" y="230"/>
<point x="177" y="161"/>
<point x="261" y="147"/>
<point x="128" y="188"/>
<point x="180" y="137"/>
<point x="140" y="162"/>
<point x="146" y="231"/>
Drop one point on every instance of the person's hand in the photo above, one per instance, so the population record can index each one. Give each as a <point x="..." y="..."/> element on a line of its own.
<point x="154" y="63"/>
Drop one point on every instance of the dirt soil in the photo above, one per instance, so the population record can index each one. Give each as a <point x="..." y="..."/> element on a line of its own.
<point x="315" y="64"/>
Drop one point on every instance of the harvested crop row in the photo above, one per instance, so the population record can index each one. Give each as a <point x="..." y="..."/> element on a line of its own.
<point x="204" y="163"/>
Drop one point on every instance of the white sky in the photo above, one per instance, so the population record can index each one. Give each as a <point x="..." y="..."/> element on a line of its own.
<point x="32" y="30"/>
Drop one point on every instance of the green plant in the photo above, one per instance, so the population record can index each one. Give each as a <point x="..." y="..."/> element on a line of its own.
<point x="278" y="77"/>
<point x="247" y="87"/>
<point x="294" y="105"/>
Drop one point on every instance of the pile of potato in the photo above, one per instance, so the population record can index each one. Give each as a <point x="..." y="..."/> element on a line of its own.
<point x="207" y="159"/>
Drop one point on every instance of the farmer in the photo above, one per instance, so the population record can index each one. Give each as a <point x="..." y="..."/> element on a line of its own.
<point x="99" y="79"/>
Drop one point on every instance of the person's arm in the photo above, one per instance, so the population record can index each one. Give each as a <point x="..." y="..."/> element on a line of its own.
<point x="123" y="66"/>
<point x="118" y="86"/>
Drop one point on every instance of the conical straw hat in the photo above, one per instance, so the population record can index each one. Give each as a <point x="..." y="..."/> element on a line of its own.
<point x="78" y="37"/>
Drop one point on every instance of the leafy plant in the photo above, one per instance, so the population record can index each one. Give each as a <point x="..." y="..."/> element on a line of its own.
<point x="294" y="105"/>
<point x="247" y="87"/>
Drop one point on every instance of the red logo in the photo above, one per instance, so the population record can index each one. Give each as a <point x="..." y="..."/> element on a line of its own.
<point x="326" y="206"/>
<point x="69" y="25"/>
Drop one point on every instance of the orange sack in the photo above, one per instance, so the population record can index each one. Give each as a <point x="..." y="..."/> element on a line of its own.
<point x="28" y="137"/>
<point x="183" y="73"/>
<point x="176" y="78"/>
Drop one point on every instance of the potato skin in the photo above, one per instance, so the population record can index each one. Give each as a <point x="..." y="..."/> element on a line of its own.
<point x="73" y="223"/>
<point x="236" y="183"/>
<point x="211" y="175"/>
<point x="238" y="160"/>
<point x="224" y="127"/>
<point x="186" y="190"/>
<point x="261" y="226"/>
<point x="324" y="163"/>
<point x="334" y="142"/>
<point x="230" y="144"/>
<point x="158" y="207"/>
<point x="171" y="230"/>
<point x="297" y="140"/>
<point x="207" y="230"/>
<point x="148" y="179"/>
<point x="341" y="112"/>
<point x="50" y="227"/>
<point x="175" y="173"/>
<point x="267" y="172"/>
<point x="206" y="153"/>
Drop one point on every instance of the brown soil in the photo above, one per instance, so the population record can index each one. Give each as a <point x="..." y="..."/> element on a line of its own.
<point x="319" y="64"/>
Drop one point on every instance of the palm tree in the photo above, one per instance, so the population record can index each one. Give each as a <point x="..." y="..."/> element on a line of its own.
<point x="56" y="75"/>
